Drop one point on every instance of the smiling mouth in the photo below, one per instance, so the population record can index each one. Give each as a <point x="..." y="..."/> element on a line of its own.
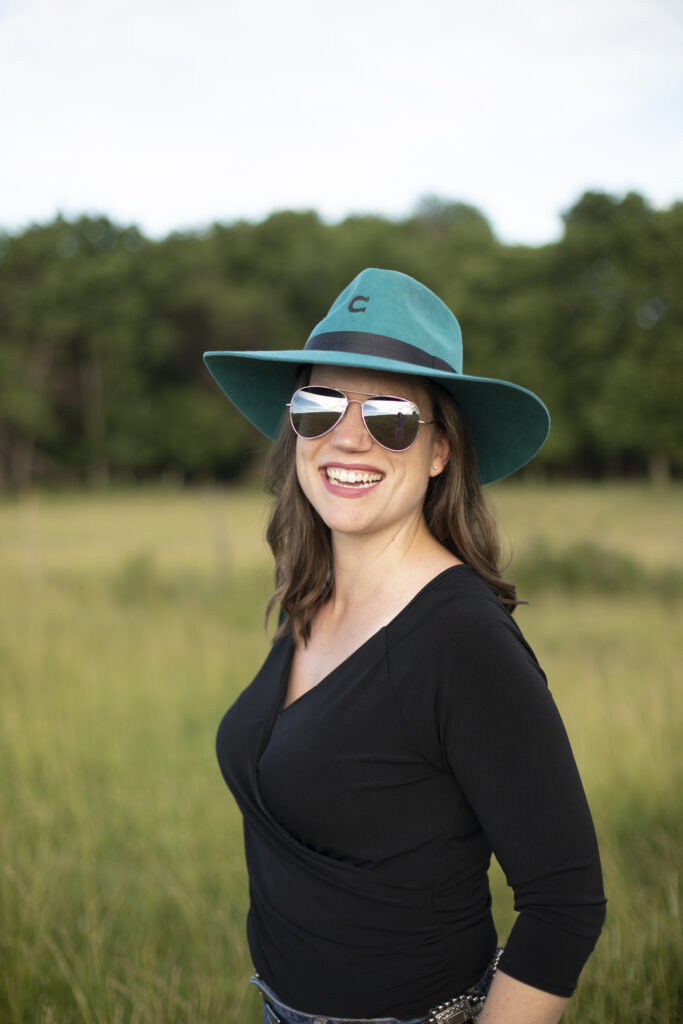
<point x="357" y="478"/>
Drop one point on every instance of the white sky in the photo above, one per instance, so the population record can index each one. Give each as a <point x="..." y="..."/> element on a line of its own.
<point x="173" y="115"/>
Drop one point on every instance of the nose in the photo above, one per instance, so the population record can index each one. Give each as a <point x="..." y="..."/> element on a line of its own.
<point x="351" y="434"/>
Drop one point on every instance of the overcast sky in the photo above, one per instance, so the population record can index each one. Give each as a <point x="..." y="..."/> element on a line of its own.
<point x="175" y="114"/>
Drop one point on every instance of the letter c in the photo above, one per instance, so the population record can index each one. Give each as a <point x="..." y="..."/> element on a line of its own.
<point x="353" y="308"/>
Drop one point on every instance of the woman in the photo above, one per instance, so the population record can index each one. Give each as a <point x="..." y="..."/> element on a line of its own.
<point x="401" y="728"/>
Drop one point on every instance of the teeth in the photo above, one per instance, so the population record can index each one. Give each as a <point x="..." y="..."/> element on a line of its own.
<point x="352" y="477"/>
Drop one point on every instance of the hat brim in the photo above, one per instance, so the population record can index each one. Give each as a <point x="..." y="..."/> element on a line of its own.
<point x="508" y="423"/>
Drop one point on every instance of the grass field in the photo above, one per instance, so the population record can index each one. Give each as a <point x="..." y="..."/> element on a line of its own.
<point x="129" y="622"/>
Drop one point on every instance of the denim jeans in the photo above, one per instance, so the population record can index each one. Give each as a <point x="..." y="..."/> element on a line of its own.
<point x="277" y="1012"/>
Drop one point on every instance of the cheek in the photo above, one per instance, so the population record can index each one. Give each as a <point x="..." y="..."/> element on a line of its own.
<point x="303" y="468"/>
<point x="425" y="458"/>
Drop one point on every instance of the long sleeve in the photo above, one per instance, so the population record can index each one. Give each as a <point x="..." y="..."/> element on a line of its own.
<point x="502" y="737"/>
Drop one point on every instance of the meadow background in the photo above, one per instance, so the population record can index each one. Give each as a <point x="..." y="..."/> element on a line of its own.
<point x="129" y="621"/>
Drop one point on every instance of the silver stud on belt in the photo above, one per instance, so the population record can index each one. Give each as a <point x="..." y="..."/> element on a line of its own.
<point x="464" y="1009"/>
<point x="461" y="1010"/>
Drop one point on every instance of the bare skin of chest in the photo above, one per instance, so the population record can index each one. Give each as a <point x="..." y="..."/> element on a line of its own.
<point x="336" y="635"/>
<point x="330" y="644"/>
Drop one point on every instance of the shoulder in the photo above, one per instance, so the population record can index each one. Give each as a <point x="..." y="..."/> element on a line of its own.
<point x="456" y="655"/>
<point x="456" y="611"/>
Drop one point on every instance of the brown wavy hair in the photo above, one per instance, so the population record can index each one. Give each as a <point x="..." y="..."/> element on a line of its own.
<point x="455" y="511"/>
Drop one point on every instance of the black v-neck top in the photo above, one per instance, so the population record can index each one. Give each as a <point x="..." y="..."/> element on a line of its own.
<point x="371" y="805"/>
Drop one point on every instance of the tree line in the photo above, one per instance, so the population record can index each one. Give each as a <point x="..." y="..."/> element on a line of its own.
<point x="102" y="332"/>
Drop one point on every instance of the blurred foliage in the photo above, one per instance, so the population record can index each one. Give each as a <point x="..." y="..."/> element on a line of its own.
<point x="102" y="332"/>
<point x="589" y="567"/>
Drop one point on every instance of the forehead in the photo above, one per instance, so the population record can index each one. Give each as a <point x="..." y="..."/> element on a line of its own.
<point x="372" y="382"/>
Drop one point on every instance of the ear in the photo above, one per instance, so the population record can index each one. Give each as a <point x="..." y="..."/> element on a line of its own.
<point x="441" y="453"/>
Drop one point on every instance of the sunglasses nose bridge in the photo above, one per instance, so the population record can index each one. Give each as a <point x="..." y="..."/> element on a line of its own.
<point x="350" y="430"/>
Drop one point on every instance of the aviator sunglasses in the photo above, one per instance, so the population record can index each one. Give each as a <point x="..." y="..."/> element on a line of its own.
<point x="392" y="422"/>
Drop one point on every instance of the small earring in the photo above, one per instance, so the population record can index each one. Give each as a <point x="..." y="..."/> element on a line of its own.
<point x="435" y="467"/>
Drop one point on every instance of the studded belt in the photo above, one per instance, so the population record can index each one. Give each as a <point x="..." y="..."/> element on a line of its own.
<point x="465" y="1008"/>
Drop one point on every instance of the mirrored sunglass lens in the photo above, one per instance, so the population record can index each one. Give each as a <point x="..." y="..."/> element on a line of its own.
<point x="392" y="421"/>
<point x="314" y="411"/>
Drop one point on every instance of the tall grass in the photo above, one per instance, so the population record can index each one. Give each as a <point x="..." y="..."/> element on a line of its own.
<point x="128" y="624"/>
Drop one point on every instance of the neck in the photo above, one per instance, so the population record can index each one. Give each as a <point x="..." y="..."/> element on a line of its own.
<point x="365" y="567"/>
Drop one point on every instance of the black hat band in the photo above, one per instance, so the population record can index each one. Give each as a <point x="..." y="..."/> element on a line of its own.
<point x="362" y="343"/>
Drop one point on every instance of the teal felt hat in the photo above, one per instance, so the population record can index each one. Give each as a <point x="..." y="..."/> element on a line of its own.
<point x="388" y="321"/>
